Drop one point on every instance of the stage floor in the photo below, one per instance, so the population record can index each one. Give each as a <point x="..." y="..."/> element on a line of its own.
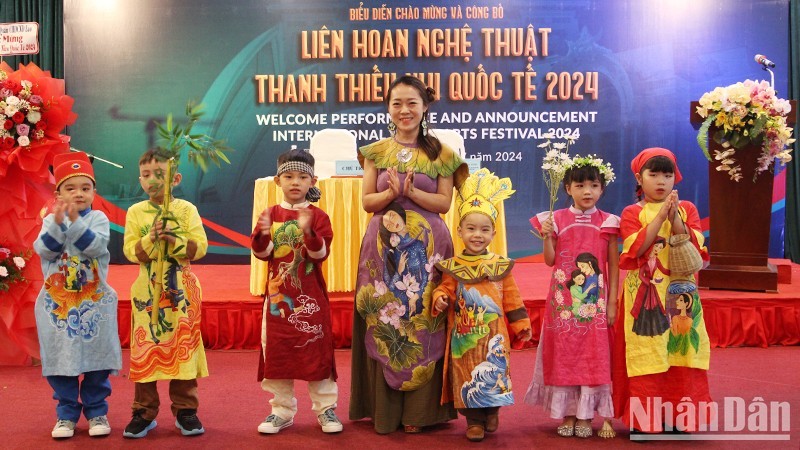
<point x="232" y="316"/>
<point x="232" y="405"/>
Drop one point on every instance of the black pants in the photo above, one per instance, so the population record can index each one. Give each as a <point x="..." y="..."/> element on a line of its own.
<point x="478" y="416"/>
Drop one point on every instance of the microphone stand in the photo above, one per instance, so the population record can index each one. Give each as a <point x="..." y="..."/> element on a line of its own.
<point x="772" y="78"/>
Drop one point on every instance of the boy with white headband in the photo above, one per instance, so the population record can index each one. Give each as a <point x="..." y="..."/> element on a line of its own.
<point x="294" y="237"/>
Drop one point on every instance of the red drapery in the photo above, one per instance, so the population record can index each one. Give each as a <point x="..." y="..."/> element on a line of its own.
<point x="26" y="186"/>
<point x="750" y="323"/>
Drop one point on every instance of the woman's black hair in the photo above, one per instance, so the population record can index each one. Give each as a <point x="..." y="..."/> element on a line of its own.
<point x="689" y="303"/>
<point x="428" y="143"/>
<point x="385" y="236"/>
<point x="660" y="164"/>
<point x="659" y="240"/>
<point x="591" y="259"/>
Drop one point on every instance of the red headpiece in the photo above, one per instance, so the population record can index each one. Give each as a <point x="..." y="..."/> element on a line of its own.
<point x="72" y="164"/>
<point x="641" y="159"/>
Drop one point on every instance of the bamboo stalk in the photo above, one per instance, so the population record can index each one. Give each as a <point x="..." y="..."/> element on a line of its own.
<point x="162" y="249"/>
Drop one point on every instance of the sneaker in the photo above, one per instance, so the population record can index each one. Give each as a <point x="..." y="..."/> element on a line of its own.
<point x="188" y="422"/>
<point x="98" y="426"/>
<point x="272" y="424"/>
<point x="138" y="426"/>
<point x="63" y="429"/>
<point x="329" y="422"/>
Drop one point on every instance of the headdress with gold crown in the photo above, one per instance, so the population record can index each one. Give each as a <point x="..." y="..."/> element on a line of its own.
<point x="481" y="192"/>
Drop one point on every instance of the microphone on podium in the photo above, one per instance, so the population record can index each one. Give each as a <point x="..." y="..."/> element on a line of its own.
<point x="761" y="59"/>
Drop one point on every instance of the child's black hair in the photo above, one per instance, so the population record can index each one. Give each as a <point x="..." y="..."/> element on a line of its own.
<point x="660" y="164"/>
<point x="153" y="154"/>
<point x="296" y="155"/>
<point x="575" y="273"/>
<point x="582" y="174"/>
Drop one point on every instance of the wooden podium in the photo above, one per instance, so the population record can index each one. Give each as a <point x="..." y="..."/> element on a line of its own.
<point x="739" y="222"/>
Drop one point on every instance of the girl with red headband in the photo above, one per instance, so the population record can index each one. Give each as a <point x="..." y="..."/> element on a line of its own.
<point x="648" y="369"/>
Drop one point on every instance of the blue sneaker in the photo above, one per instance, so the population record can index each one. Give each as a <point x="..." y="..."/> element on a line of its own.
<point x="329" y="422"/>
<point x="138" y="426"/>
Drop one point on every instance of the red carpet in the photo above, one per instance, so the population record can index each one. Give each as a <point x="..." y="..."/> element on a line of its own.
<point x="232" y="405"/>
<point x="232" y="317"/>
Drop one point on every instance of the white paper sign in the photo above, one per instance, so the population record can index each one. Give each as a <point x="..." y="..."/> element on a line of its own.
<point x="19" y="38"/>
<point x="473" y="164"/>
<point x="348" y="168"/>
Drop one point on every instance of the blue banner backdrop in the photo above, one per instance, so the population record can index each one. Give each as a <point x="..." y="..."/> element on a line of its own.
<point x="620" y="73"/>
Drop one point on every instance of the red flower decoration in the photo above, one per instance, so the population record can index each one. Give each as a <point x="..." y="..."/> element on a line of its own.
<point x="45" y="95"/>
<point x="12" y="85"/>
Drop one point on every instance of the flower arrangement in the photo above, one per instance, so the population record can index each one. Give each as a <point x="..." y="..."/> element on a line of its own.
<point x="745" y="113"/>
<point x="20" y="113"/>
<point x="11" y="265"/>
<point x="555" y="164"/>
<point x="33" y="112"/>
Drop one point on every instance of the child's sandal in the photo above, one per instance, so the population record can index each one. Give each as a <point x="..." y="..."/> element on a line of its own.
<point x="566" y="430"/>
<point x="412" y="429"/>
<point x="583" y="431"/>
<point x="607" y="431"/>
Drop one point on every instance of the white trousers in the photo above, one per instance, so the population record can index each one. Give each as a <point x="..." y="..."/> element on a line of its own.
<point x="284" y="405"/>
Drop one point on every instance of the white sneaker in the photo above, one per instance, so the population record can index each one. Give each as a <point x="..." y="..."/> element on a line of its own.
<point x="273" y="424"/>
<point x="98" y="426"/>
<point x="63" y="429"/>
<point x="329" y="422"/>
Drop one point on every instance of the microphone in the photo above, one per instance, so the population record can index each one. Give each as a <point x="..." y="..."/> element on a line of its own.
<point x="761" y="59"/>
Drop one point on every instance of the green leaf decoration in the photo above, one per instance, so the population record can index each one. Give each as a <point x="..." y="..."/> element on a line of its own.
<point x="426" y="321"/>
<point x="739" y="140"/>
<point x="758" y="126"/>
<point x="672" y="344"/>
<point x="419" y="377"/>
<point x="368" y="305"/>
<point x="678" y="344"/>
<point x="697" y="310"/>
<point x="410" y="331"/>
<point x="174" y="138"/>
<point x="702" y="135"/>
<point x="402" y="352"/>
<point x="694" y="338"/>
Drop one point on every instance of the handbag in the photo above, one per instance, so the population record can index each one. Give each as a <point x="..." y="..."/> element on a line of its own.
<point x="684" y="258"/>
